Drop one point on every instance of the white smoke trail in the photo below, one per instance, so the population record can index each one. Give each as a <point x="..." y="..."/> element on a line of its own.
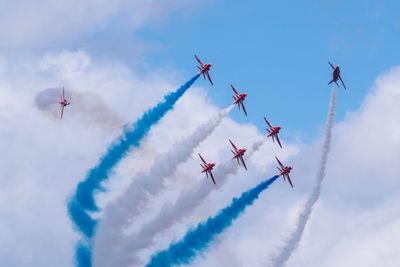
<point x="120" y="214"/>
<point x="291" y="244"/>
<point x="170" y="214"/>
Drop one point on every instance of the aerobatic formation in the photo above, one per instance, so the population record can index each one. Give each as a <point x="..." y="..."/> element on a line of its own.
<point x="82" y="204"/>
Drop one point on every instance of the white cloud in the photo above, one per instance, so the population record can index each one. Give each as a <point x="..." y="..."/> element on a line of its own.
<point x="47" y="157"/>
<point x="51" y="24"/>
<point x="44" y="158"/>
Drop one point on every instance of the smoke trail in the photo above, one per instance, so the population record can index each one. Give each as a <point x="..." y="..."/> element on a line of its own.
<point x="120" y="214"/>
<point x="82" y="202"/>
<point x="170" y="214"/>
<point x="198" y="239"/>
<point x="47" y="98"/>
<point x="293" y="241"/>
<point x="89" y="107"/>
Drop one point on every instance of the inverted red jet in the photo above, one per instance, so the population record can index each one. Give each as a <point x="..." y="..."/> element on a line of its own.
<point x="273" y="132"/>
<point x="63" y="102"/>
<point x="207" y="168"/>
<point x="284" y="171"/>
<point x="336" y="75"/>
<point x="238" y="154"/>
<point x="238" y="99"/>
<point x="204" y="69"/>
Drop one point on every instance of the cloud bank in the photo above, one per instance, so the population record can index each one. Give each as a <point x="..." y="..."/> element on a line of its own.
<point x="353" y="223"/>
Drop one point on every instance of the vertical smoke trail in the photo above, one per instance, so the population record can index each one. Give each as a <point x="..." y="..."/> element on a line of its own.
<point x="198" y="239"/>
<point x="82" y="202"/>
<point x="293" y="241"/>
<point x="120" y="214"/>
<point x="170" y="214"/>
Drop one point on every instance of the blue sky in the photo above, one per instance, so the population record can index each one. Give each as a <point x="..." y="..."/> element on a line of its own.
<point x="278" y="53"/>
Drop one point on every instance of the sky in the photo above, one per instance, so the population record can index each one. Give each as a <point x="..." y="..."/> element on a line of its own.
<point x="277" y="51"/>
<point x="118" y="58"/>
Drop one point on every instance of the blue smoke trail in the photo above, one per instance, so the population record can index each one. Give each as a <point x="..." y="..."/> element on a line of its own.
<point x="198" y="239"/>
<point x="83" y="202"/>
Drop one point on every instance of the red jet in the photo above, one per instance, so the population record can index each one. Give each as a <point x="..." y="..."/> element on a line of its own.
<point x="63" y="102"/>
<point x="273" y="132"/>
<point x="284" y="171"/>
<point x="238" y="99"/>
<point x="238" y="154"/>
<point x="204" y="69"/>
<point x="207" y="168"/>
<point x="336" y="75"/>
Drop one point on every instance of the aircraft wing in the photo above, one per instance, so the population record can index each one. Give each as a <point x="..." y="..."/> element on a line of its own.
<point x="269" y="124"/>
<point x="198" y="60"/>
<point x="202" y="159"/>
<point x="233" y="145"/>
<point x="342" y="82"/>
<point x="290" y="181"/>
<point x="212" y="177"/>
<point x="277" y="139"/>
<point x="244" y="164"/>
<point x="63" y="95"/>
<point x="62" y="112"/>
<point x="244" y="109"/>
<point x="280" y="163"/>
<point x="234" y="90"/>
<point x="331" y="65"/>
<point x="209" y="78"/>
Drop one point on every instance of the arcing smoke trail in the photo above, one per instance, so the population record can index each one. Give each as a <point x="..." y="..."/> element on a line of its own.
<point x="199" y="238"/>
<point x="82" y="202"/>
<point x="89" y="107"/>
<point x="170" y="214"/>
<point x="120" y="214"/>
<point x="293" y="241"/>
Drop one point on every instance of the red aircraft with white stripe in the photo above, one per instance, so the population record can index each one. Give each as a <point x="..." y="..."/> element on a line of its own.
<point x="207" y="168"/>
<point x="204" y="68"/>
<point x="284" y="171"/>
<point x="63" y="102"/>
<point x="238" y="154"/>
<point x="273" y="132"/>
<point x="238" y="99"/>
